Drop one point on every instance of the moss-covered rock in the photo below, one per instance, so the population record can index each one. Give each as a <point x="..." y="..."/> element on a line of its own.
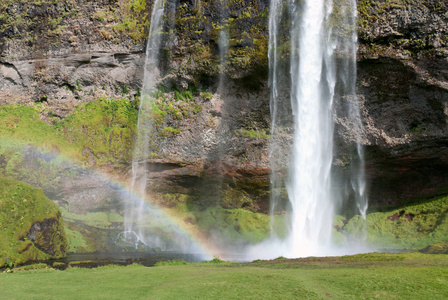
<point x="30" y="225"/>
<point x="412" y="226"/>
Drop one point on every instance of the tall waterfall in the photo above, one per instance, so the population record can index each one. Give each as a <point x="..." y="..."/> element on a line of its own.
<point x="134" y="208"/>
<point x="322" y="69"/>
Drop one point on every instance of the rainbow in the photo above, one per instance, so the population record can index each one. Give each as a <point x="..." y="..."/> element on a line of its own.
<point x="198" y="242"/>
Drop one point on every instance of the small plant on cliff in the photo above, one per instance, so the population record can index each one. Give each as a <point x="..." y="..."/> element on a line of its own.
<point x="253" y="134"/>
<point x="207" y="96"/>
<point x="170" y="131"/>
<point x="135" y="19"/>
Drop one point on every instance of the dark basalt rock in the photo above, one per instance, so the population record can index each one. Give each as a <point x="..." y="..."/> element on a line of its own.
<point x="46" y="234"/>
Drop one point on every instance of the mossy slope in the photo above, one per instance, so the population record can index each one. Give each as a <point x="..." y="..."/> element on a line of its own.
<point x="98" y="133"/>
<point x="413" y="226"/>
<point x="30" y="224"/>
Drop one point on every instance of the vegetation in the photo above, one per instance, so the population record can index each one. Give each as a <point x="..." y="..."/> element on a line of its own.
<point x="166" y="108"/>
<point x="253" y="134"/>
<point x="135" y="20"/>
<point x="366" y="276"/>
<point x="103" y="128"/>
<point x="225" y="224"/>
<point x="97" y="133"/>
<point x="415" y="225"/>
<point x="31" y="150"/>
<point x="21" y="207"/>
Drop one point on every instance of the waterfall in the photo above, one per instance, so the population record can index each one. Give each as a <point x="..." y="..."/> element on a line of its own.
<point x="312" y="90"/>
<point x="134" y="209"/>
<point x="322" y="69"/>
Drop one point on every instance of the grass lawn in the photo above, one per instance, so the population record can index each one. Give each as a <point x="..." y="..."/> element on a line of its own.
<point x="367" y="276"/>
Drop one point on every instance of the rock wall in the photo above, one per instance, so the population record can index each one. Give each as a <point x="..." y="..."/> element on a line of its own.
<point x="402" y="84"/>
<point x="61" y="54"/>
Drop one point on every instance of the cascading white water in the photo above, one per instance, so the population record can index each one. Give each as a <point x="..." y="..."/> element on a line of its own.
<point x="134" y="208"/>
<point x="322" y="60"/>
<point x="312" y="90"/>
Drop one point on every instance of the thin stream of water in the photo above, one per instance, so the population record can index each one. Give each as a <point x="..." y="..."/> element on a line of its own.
<point x="134" y="209"/>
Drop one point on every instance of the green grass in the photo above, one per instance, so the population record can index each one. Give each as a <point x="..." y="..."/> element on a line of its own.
<point x="20" y="125"/>
<point x="412" y="276"/>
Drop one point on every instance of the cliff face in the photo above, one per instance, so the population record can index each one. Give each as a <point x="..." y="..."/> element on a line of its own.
<point x="62" y="54"/>
<point x="66" y="52"/>
<point x="402" y="83"/>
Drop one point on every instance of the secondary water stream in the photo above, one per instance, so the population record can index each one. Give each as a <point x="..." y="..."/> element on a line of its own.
<point x="134" y="209"/>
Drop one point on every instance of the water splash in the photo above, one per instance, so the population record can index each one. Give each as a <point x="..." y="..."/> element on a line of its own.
<point x="322" y="68"/>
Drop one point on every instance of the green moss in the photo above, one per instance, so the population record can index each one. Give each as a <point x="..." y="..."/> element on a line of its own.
<point x="174" y="199"/>
<point x="235" y="198"/>
<point x="93" y="231"/>
<point x="413" y="226"/>
<point x="162" y="111"/>
<point x="38" y="266"/>
<point x="135" y="19"/>
<point x="21" y="206"/>
<point x="253" y="134"/>
<point x="230" y="224"/>
<point x="169" y="131"/>
<point x="104" y="129"/>
<point x="175" y="262"/>
<point x="207" y="96"/>
<point x="21" y="124"/>
<point x="91" y="235"/>
<point x="438" y="248"/>
<point x="102" y="220"/>
<point x="370" y="11"/>
<point x="98" y="133"/>
<point x="76" y="242"/>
